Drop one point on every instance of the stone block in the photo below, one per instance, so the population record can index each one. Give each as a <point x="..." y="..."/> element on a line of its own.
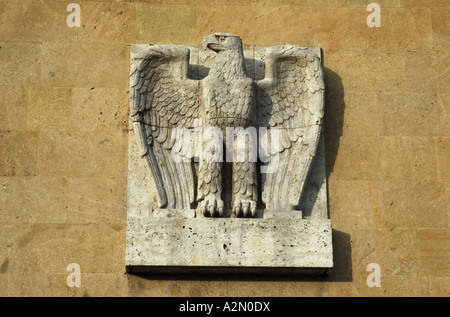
<point x="99" y="285"/>
<point x="50" y="109"/>
<point x="34" y="21"/>
<point x="434" y="247"/>
<point x="444" y="114"/>
<point x="13" y="106"/>
<point x="341" y="29"/>
<point x="408" y="158"/>
<point x="382" y="3"/>
<point x="308" y="229"/>
<point x="357" y="159"/>
<point x="168" y="23"/>
<point x="395" y="35"/>
<point x="425" y="3"/>
<point x="13" y="240"/>
<point x="407" y="286"/>
<point x="162" y="244"/>
<point x="327" y="3"/>
<point x="20" y="63"/>
<point x="102" y="249"/>
<point x="33" y="199"/>
<point x="408" y="114"/>
<point x="361" y="114"/>
<point x="18" y="153"/>
<point x="267" y="3"/>
<point x="355" y="205"/>
<point x="414" y="204"/>
<point x="367" y="246"/>
<point x="96" y="200"/>
<point x="297" y="26"/>
<point x="55" y="285"/>
<point x="346" y="28"/>
<point x="401" y="256"/>
<point x="142" y="286"/>
<point x="309" y="288"/>
<point x="106" y="22"/>
<point x="425" y="71"/>
<point x="439" y="286"/>
<point x="82" y="154"/>
<point x="226" y="18"/>
<point x="367" y="70"/>
<point x="100" y="109"/>
<point x="253" y="288"/>
<point x="65" y="65"/>
<point x="441" y="32"/>
<point x="443" y="158"/>
<point x="48" y="248"/>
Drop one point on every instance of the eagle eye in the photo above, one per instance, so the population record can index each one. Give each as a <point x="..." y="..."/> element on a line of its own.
<point x="222" y="38"/>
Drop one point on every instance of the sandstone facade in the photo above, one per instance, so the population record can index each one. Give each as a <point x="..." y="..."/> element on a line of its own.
<point x="64" y="100"/>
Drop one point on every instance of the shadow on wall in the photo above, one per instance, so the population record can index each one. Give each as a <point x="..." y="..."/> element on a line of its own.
<point x="342" y="258"/>
<point x="333" y="118"/>
<point x="333" y="125"/>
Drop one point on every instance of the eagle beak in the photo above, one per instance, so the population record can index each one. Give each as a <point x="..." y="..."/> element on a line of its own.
<point x="211" y="42"/>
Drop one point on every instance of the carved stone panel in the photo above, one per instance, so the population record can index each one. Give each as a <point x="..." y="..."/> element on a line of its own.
<point x="226" y="159"/>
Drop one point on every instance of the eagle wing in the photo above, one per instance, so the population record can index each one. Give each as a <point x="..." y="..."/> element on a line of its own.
<point x="163" y="100"/>
<point x="291" y="99"/>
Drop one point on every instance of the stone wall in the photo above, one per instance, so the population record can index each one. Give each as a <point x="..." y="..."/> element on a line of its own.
<point x="64" y="139"/>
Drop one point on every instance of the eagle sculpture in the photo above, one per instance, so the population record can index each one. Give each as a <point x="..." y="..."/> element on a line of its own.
<point x="289" y="100"/>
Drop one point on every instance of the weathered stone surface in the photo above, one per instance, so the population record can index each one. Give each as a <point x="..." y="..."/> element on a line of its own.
<point x="106" y="22"/>
<point x="230" y="18"/>
<point x="387" y="174"/>
<point x="408" y="158"/>
<point x="100" y="109"/>
<point x="297" y="26"/>
<point x="178" y="19"/>
<point x="105" y="61"/>
<point x="434" y="248"/>
<point x="201" y="243"/>
<point x="21" y="63"/>
<point x="441" y="32"/>
<point x="443" y="158"/>
<point x="364" y="70"/>
<point x="413" y="114"/>
<point x="34" y="21"/>
<point x="424" y="71"/>
<point x="18" y="153"/>
<point x="13" y="106"/>
<point x="78" y="154"/>
<point x="239" y="88"/>
<point x="38" y="199"/>
<point x="414" y="204"/>
<point x="50" y="109"/>
<point x="364" y="3"/>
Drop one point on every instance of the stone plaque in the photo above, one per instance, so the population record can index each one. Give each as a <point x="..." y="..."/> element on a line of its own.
<point x="226" y="159"/>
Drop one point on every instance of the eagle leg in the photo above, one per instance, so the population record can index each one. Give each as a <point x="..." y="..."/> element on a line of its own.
<point x="245" y="189"/>
<point x="210" y="189"/>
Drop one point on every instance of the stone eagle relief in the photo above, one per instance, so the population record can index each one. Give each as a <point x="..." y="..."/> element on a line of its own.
<point x="227" y="143"/>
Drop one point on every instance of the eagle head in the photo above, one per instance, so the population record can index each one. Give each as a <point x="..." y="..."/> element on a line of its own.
<point x="221" y="42"/>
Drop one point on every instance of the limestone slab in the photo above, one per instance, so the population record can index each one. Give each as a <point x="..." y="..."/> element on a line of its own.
<point x="188" y="213"/>
<point x="166" y="244"/>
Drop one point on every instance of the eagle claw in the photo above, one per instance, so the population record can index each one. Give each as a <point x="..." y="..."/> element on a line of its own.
<point x="244" y="208"/>
<point x="212" y="207"/>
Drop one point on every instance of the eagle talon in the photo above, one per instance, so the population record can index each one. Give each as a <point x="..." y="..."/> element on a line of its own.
<point x="220" y="207"/>
<point x="212" y="210"/>
<point x="211" y="207"/>
<point x="244" y="208"/>
<point x="253" y="210"/>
